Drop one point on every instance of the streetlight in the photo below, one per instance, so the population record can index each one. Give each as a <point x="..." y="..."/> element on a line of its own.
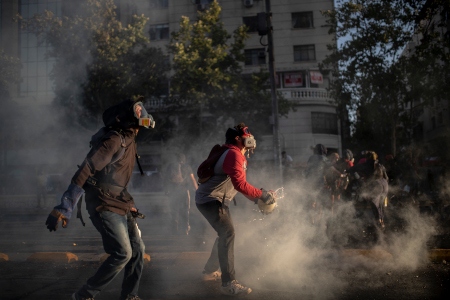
<point x="265" y="27"/>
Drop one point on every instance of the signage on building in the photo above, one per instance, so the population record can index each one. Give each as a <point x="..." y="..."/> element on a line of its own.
<point x="293" y="80"/>
<point x="316" y="77"/>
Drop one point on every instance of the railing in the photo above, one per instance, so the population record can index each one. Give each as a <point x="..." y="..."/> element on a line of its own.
<point x="299" y="94"/>
<point x="156" y="103"/>
<point x="306" y="94"/>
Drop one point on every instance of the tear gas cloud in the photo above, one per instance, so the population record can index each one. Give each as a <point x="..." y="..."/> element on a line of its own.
<point x="283" y="250"/>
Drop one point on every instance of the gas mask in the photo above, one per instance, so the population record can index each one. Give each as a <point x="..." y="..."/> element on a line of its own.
<point x="144" y="118"/>
<point x="248" y="140"/>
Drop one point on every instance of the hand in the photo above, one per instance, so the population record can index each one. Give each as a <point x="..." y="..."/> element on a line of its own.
<point x="268" y="197"/>
<point x="63" y="212"/>
<point x="54" y="218"/>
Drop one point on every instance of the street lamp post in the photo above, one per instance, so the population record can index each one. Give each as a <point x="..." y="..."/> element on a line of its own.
<point x="273" y="88"/>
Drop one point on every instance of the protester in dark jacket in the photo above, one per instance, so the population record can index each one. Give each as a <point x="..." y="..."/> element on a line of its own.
<point x="373" y="184"/>
<point x="111" y="208"/>
<point x="375" y="191"/>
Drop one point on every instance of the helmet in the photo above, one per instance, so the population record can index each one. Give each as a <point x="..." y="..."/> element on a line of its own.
<point x="264" y="208"/>
<point x="128" y="114"/>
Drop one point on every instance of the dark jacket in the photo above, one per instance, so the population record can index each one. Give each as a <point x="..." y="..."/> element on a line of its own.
<point x="112" y="179"/>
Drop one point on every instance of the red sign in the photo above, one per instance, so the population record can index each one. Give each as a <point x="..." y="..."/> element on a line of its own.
<point x="316" y="77"/>
<point x="293" y="80"/>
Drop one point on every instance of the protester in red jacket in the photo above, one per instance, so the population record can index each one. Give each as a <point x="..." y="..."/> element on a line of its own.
<point x="213" y="198"/>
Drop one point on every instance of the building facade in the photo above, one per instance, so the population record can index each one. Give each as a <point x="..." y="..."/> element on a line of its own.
<point x="300" y="43"/>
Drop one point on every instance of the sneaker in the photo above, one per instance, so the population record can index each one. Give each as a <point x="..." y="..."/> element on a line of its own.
<point x="211" y="276"/>
<point x="234" y="288"/>
<point x="75" y="296"/>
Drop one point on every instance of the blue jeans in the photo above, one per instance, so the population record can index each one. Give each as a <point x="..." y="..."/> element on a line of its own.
<point x="222" y="253"/>
<point x="122" y="241"/>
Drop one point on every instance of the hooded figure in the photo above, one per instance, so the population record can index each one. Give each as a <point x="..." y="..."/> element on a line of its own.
<point x="111" y="208"/>
<point x="316" y="165"/>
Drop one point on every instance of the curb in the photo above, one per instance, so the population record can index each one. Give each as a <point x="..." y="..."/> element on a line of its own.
<point x="66" y="257"/>
<point x="439" y="255"/>
<point x="105" y="256"/>
<point x="4" y="257"/>
<point x="434" y="255"/>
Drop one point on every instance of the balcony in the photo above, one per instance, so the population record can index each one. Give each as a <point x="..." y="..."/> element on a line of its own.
<point x="301" y="95"/>
<point x="306" y="94"/>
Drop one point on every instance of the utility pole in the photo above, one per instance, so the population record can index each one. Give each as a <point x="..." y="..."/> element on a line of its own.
<point x="273" y="88"/>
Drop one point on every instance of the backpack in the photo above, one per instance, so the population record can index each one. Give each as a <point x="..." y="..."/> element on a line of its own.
<point x="206" y="168"/>
<point x="95" y="140"/>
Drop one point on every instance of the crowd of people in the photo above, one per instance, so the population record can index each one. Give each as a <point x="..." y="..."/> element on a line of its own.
<point x="365" y="179"/>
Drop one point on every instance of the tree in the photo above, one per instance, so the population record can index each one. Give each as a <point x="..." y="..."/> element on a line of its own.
<point x="99" y="60"/>
<point x="375" y="73"/>
<point x="208" y="79"/>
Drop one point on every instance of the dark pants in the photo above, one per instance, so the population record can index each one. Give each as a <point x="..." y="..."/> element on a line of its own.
<point x="222" y="253"/>
<point x="122" y="241"/>
<point x="377" y="207"/>
<point x="180" y="200"/>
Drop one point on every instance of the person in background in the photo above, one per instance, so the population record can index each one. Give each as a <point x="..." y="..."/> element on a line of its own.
<point x="213" y="198"/>
<point x="286" y="163"/>
<point x="177" y="181"/>
<point x="373" y="184"/>
<point x="315" y="178"/>
<point x="343" y="165"/>
<point x="104" y="177"/>
<point x="333" y="179"/>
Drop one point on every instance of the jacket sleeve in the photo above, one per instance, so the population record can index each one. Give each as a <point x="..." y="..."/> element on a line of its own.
<point x="98" y="158"/>
<point x="234" y="166"/>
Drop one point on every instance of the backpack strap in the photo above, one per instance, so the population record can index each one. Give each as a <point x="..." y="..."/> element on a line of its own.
<point x="116" y="157"/>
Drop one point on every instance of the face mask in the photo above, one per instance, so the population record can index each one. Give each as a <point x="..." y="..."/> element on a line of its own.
<point x="248" y="139"/>
<point x="144" y="118"/>
<point x="249" y="142"/>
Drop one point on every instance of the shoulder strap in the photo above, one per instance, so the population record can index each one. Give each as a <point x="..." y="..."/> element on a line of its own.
<point x="116" y="157"/>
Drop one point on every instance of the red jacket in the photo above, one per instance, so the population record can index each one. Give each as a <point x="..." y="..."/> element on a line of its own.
<point x="228" y="179"/>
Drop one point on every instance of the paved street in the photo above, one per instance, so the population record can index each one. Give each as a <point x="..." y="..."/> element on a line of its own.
<point x="274" y="267"/>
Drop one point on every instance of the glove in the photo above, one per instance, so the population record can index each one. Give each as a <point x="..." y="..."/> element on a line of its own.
<point x="267" y="197"/>
<point x="63" y="212"/>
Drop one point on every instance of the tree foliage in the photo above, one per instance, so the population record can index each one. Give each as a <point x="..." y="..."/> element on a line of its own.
<point x="9" y="74"/>
<point x="376" y="74"/>
<point x="99" y="60"/>
<point x="208" y="76"/>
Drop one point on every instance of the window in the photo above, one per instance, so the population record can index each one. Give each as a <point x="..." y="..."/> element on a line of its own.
<point x="251" y="23"/>
<point x="35" y="66"/>
<point x="304" y="53"/>
<point x="159" y="32"/>
<point x="302" y="19"/>
<point x="324" y="123"/>
<point x="159" y="3"/>
<point x="255" y="57"/>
